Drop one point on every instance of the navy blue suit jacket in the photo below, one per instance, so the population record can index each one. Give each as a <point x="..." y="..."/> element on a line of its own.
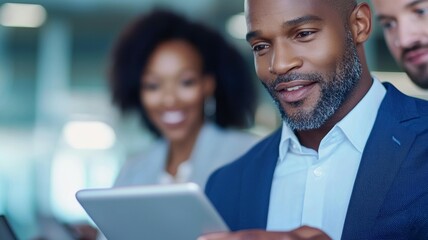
<point x="390" y="195"/>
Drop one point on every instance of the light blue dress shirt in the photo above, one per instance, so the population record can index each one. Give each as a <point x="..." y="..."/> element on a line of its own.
<point x="314" y="188"/>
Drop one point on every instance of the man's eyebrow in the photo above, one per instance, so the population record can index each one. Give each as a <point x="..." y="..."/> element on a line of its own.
<point x="251" y="35"/>
<point x="301" y="20"/>
<point x="290" y="23"/>
<point x="382" y="17"/>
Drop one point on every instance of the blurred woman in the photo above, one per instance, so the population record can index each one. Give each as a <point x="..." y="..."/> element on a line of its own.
<point x="193" y="91"/>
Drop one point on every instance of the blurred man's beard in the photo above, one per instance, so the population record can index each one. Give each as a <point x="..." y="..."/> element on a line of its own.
<point x="418" y="74"/>
<point x="335" y="89"/>
<point x="420" y="78"/>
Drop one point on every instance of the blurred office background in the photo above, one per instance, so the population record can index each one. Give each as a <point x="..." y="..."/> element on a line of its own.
<point x="58" y="130"/>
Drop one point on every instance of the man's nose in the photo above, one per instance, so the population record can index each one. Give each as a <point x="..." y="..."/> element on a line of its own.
<point x="408" y="34"/>
<point x="283" y="59"/>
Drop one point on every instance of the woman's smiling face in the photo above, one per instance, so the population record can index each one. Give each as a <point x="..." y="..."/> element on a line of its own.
<point x="173" y="90"/>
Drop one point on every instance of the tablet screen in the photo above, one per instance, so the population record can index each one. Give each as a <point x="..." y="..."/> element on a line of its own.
<point x="175" y="211"/>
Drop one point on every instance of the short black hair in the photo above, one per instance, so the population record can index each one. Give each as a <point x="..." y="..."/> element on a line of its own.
<point x="344" y="7"/>
<point x="235" y="94"/>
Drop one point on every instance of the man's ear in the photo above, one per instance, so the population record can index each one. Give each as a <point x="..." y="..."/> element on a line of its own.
<point x="209" y="85"/>
<point x="361" y="23"/>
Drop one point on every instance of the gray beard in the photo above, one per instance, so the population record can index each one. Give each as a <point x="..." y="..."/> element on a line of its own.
<point x="334" y="91"/>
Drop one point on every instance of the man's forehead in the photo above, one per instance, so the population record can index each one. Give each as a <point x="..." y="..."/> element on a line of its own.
<point x="259" y="10"/>
<point x="256" y="10"/>
<point x="385" y="5"/>
<point x="261" y="5"/>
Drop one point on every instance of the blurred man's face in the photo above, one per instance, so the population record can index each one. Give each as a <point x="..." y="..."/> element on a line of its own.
<point x="405" y="26"/>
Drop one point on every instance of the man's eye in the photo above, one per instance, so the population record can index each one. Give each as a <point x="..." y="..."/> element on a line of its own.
<point x="387" y="25"/>
<point x="304" y="34"/>
<point x="421" y="11"/>
<point x="260" y="47"/>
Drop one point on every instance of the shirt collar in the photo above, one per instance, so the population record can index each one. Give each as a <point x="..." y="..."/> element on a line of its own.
<point x="287" y="136"/>
<point x="356" y="125"/>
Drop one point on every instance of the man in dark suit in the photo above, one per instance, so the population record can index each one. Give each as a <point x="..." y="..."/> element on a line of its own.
<point x="351" y="158"/>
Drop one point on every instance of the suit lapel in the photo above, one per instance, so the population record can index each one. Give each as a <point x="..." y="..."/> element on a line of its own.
<point x="255" y="193"/>
<point x="387" y="146"/>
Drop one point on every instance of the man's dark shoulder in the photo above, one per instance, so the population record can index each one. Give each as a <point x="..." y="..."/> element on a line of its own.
<point x="419" y="122"/>
<point x="235" y="182"/>
<point x="232" y="172"/>
<point x="422" y="107"/>
<point x="409" y="111"/>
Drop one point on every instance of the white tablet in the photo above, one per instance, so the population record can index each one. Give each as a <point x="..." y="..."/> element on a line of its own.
<point x="155" y="212"/>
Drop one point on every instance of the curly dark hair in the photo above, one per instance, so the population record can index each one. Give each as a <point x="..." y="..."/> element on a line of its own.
<point x="235" y="94"/>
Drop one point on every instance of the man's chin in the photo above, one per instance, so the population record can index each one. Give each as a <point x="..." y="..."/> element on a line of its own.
<point x="420" y="80"/>
<point x="422" y="83"/>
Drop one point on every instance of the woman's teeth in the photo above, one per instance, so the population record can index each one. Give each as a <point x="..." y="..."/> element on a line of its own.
<point x="173" y="117"/>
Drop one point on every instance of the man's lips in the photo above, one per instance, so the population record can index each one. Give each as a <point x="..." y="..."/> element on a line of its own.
<point x="417" y="56"/>
<point x="295" y="90"/>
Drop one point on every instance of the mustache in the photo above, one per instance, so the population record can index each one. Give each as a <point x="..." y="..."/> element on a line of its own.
<point x="313" y="77"/>
<point x="414" y="47"/>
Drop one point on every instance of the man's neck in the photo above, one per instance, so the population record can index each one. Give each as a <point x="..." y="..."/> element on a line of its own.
<point x="312" y="138"/>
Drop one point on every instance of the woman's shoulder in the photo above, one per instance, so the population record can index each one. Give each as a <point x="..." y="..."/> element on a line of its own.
<point x="155" y="148"/>
<point x="139" y="167"/>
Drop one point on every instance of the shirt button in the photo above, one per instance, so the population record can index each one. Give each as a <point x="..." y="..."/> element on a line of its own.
<point x="318" y="172"/>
